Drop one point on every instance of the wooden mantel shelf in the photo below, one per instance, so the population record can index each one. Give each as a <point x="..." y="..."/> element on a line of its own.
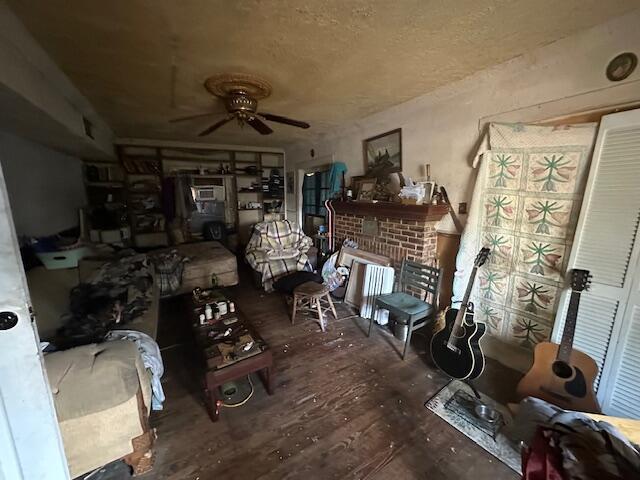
<point x="423" y="213"/>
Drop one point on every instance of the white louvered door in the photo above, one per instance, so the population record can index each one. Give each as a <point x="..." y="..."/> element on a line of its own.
<point x="608" y="326"/>
<point x="622" y="398"/>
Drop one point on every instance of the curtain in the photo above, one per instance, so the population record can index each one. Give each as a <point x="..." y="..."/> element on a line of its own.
<point x="185" y="205"/>
<point x="336" y="172"/>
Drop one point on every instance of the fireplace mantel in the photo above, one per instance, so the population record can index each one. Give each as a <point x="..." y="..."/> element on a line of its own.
<point x="421" y="213"/>
<point x="391" y="229"/>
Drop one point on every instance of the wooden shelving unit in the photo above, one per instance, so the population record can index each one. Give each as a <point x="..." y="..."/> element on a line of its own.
<point x="105" y="187"/>
<point x="143" y="187"/>
<point x="246" y="174"/>
<point x="265" y="164"/>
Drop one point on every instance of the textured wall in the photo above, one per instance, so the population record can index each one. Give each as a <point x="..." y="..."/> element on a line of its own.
<point x="45" y="187"/>
<point x="441" y="128"/>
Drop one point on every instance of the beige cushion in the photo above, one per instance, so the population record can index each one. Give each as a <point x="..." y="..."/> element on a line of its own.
<point x="100" y="438"/>
<point x="205" y="260"/>
<point x="93" y="378"/>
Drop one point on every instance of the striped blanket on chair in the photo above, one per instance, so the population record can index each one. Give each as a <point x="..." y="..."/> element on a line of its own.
<point x="277" y="249"/>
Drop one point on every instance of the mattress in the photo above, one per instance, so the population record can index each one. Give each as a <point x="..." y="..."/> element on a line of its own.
<point x="208" y="264"/>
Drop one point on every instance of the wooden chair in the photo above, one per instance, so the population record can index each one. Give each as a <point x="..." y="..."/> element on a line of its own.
<point x="406" y="306"/>
<point x="310" y="297"/>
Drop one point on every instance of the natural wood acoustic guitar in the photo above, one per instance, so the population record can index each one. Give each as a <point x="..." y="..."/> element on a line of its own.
<point x="561" y="374"/>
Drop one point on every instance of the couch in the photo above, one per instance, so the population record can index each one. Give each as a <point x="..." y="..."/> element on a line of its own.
<point x="102" y="392"/>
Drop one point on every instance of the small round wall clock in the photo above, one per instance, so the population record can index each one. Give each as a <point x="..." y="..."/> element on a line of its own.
<point x="622" y="66"/>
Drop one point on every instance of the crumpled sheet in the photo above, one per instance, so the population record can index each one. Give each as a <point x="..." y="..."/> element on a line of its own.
<point x="151" y="357"/>
<point x="115" y="294"/>
<point x="588" y="448"/>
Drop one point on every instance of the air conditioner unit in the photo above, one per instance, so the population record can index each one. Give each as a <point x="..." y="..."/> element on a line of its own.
<point x="207" y="193"/>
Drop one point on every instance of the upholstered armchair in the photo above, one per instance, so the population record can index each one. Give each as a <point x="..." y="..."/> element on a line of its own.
<point x="276" y="249"/>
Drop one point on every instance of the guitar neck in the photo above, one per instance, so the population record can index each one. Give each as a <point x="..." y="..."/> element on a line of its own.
<point x="467" y="293"/>
<point x="566" y="344"/>
<point x="465" y="301"/>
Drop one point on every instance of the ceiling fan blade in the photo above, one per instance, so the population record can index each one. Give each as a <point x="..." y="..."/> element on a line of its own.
<point x="193" y="117"/>
<point x="215" y="126"/>
<point x="259" y="125"/>
<point x="285" y="120"/>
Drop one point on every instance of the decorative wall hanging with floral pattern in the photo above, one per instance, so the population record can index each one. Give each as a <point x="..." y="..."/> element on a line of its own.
<point x="525" y="208"/>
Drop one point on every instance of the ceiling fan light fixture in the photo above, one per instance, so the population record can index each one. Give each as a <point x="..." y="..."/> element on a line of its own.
<point x="240" y="93"/>
<point x="226" y="84"/>
<point x="240" y="101"/>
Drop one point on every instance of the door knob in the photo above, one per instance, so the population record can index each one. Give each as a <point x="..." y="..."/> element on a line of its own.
<point x="8" y="320"/>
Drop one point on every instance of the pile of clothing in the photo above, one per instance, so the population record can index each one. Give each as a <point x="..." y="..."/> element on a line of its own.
<point x="151" y="357"/>
<point x="566" y="445"/>
<point x="117" y="293"/>
<point x="169" y="269"/>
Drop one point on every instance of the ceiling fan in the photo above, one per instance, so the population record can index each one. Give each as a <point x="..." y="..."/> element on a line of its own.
<point x="240" y="94"/>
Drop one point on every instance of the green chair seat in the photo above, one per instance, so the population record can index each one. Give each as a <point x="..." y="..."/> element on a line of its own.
<point x="414" y="311"/>
<point x="403" y="304"/>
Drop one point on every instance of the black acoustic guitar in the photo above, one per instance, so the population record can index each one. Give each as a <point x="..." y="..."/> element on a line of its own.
<point x="456" y="348"/>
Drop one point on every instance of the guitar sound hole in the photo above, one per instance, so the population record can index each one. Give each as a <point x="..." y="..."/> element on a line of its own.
<point x="562" y="369"/>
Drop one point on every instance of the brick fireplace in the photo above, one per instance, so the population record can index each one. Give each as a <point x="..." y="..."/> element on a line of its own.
<point x="392" y="229"/>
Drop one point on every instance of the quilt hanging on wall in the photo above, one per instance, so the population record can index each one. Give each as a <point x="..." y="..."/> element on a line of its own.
<point x="525" y="208"/>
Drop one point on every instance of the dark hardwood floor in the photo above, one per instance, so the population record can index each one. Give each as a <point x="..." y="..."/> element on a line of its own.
<point x="345" y="406"/>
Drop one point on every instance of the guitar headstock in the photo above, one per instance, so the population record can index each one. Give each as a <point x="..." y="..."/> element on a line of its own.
<point x="580" y="280"/>
<point x="482" y="256"/>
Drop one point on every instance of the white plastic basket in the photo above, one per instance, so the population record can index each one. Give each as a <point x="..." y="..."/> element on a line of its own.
<point x="62" y="258"/>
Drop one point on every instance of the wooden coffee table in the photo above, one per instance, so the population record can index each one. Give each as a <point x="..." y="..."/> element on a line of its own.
<point x="222" y="356"/>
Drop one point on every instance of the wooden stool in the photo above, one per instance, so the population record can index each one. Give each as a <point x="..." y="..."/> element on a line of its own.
<point x="310" y="297"/>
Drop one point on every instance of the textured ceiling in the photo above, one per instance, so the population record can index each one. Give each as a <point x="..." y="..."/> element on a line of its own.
<point x="143" y="62"/>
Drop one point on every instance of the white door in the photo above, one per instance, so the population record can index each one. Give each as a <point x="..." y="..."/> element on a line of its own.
<point x="621" y="391"/>
<point x="606" y="243"/>
<point x="30" y="443"/>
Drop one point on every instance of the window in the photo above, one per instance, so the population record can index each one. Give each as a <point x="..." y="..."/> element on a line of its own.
<point x="315" y="191"/>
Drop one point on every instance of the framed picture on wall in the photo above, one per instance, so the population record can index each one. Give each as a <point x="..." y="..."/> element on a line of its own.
<point x="367" y="189"/>
<point x="355" y="184"/>
<point x="383" y="154"/>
